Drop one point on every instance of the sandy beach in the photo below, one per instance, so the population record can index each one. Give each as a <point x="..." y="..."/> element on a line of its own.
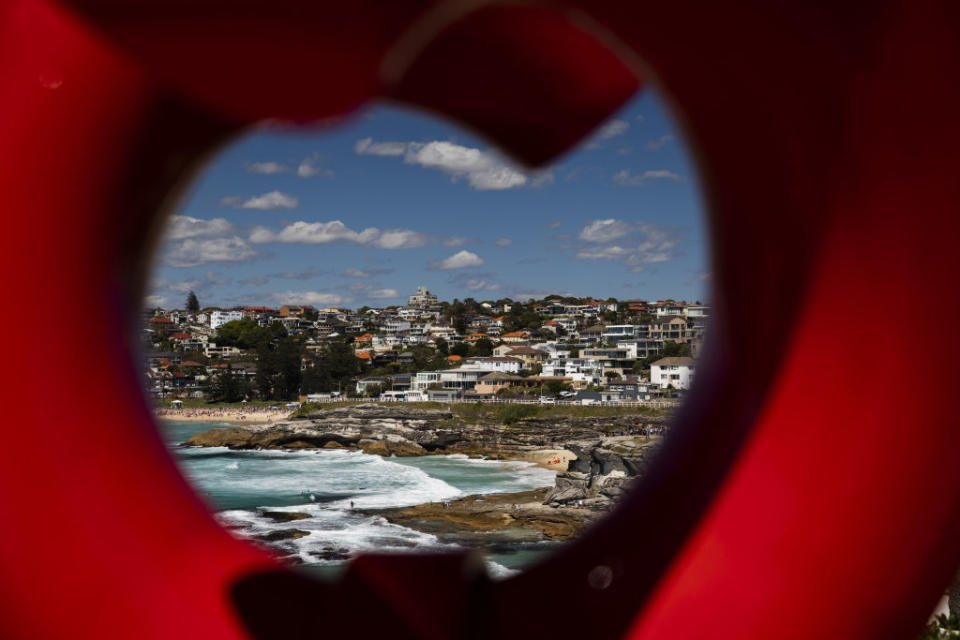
<point x="553" y="459"/>
<point x="221" y="416"/>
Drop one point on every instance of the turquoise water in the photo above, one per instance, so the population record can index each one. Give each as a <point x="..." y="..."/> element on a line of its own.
<point x="326" y="484"/>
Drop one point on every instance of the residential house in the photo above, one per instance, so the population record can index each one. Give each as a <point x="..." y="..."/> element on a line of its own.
<point x="162" y="326"/>
<point x="598" y="397"/>
<point x="422" y="298"/>
<point x="220" y="318"/>
<point x="493" y="382"/>
<point x="365" y="385"/>
<point x="592" y="334"/>
<point x="530" y="356"/>
<point x="675" y="372"/>
<point x="618" y="360"/>
<point x="495" y="363"/>
<point x="296" y="310"/>
<point x="516" y="337"/>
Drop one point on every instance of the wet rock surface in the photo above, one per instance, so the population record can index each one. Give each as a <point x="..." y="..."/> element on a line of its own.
<point x="601" y="475"/>
<point x="283" y="534"/>
<point x="403" y="431"/>
<point x="284" y="516"/>
<point x="608" y="454"/>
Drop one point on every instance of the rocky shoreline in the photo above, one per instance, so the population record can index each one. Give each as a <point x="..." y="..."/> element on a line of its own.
<point x="596" y="458"/>
<point x="598" y="476"/>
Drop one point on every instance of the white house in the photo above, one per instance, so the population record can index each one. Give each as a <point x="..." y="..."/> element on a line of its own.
<point x="220" y="318"/>
<point x="504" y="364"/>
<point x="422" y="298"/>
<point x="396" y="325"/>
<point x="618" y="332"/>
<point x="677" y="372"/>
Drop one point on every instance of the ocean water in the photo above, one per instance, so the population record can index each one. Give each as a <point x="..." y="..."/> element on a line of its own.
<point x="240" y="485"/>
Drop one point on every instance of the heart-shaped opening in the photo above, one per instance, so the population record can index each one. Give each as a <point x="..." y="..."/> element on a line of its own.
<point x="504" y="407"/>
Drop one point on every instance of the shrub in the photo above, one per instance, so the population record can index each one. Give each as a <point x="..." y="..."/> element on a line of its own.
<point x="512" y="413"/>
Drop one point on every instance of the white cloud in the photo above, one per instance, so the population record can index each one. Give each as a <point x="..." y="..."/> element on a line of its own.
<point x="192" y="241"/>
<point x="480" y="284"/>
<point x="302" y="232"/>
<point x="200" y="285"/>
<point x="626" y="179"/>
<point x="533" y="294"/>
<point x="313" y="233"/>
<point x="604" y="230"/>
<point x="656" y="245"/>
<point x="504" y="242"/>
<point x="192" y="251"/>
<point x="266" y="202"/>
<point x="182" y="227"/>
<point x="356" y="273"/>
<point x="307" y="169"/>
<point x="382" y="293"/>
<point x="368" y="147"/>
<point x="307" y="297"/>
<point x="611" y="252"/>
<point x="401" y="239"/>
<point x="151" y="302"/>
<point x="649" y="243"/>
<point x="483" y="170"/>
<point x="612" y="129"/>
<point x="268" y="168"/>
<point x="659" y="143"/>
<point x="456" y="241"/>
<point x="460" y="260"/>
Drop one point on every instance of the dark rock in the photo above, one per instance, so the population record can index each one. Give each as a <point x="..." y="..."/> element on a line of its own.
<point x="285" y="516"/>
<point x="569" y="486"/>
<point x="608" y="461"/>
<point x="584" y="461"/>
<point x="331" y="553"/>
<point x="615" y="487"/>
<point x="283" y="534"/>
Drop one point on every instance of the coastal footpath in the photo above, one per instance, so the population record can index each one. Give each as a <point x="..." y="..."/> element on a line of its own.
<point x="597" y="452"/>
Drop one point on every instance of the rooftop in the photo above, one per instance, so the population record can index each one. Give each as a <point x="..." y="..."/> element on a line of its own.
<point x="683" y="361"/>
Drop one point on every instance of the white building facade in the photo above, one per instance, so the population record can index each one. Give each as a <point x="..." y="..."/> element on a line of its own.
<point x="220" y="318"/>
<point x="675" y="372"/>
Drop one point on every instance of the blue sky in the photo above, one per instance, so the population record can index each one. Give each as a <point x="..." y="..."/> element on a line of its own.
<point x="362" y="213"/>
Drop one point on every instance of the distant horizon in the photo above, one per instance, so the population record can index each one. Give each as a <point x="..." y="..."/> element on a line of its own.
<point x="481" y="301"/>
<point x="360" y="214"/>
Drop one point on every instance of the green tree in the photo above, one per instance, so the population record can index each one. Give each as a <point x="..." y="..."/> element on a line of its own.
<point x="554" y="386"/>
<point x="442" y="346"/>
<point x="483" y="347"/>
<point x="227" y="386"/>
<point x="332" y="370"/>
<point x="461" y="349"/>
<point x="278" y="369"/>
<point x="193" y="304"/>
<point x="247" y="334"/>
